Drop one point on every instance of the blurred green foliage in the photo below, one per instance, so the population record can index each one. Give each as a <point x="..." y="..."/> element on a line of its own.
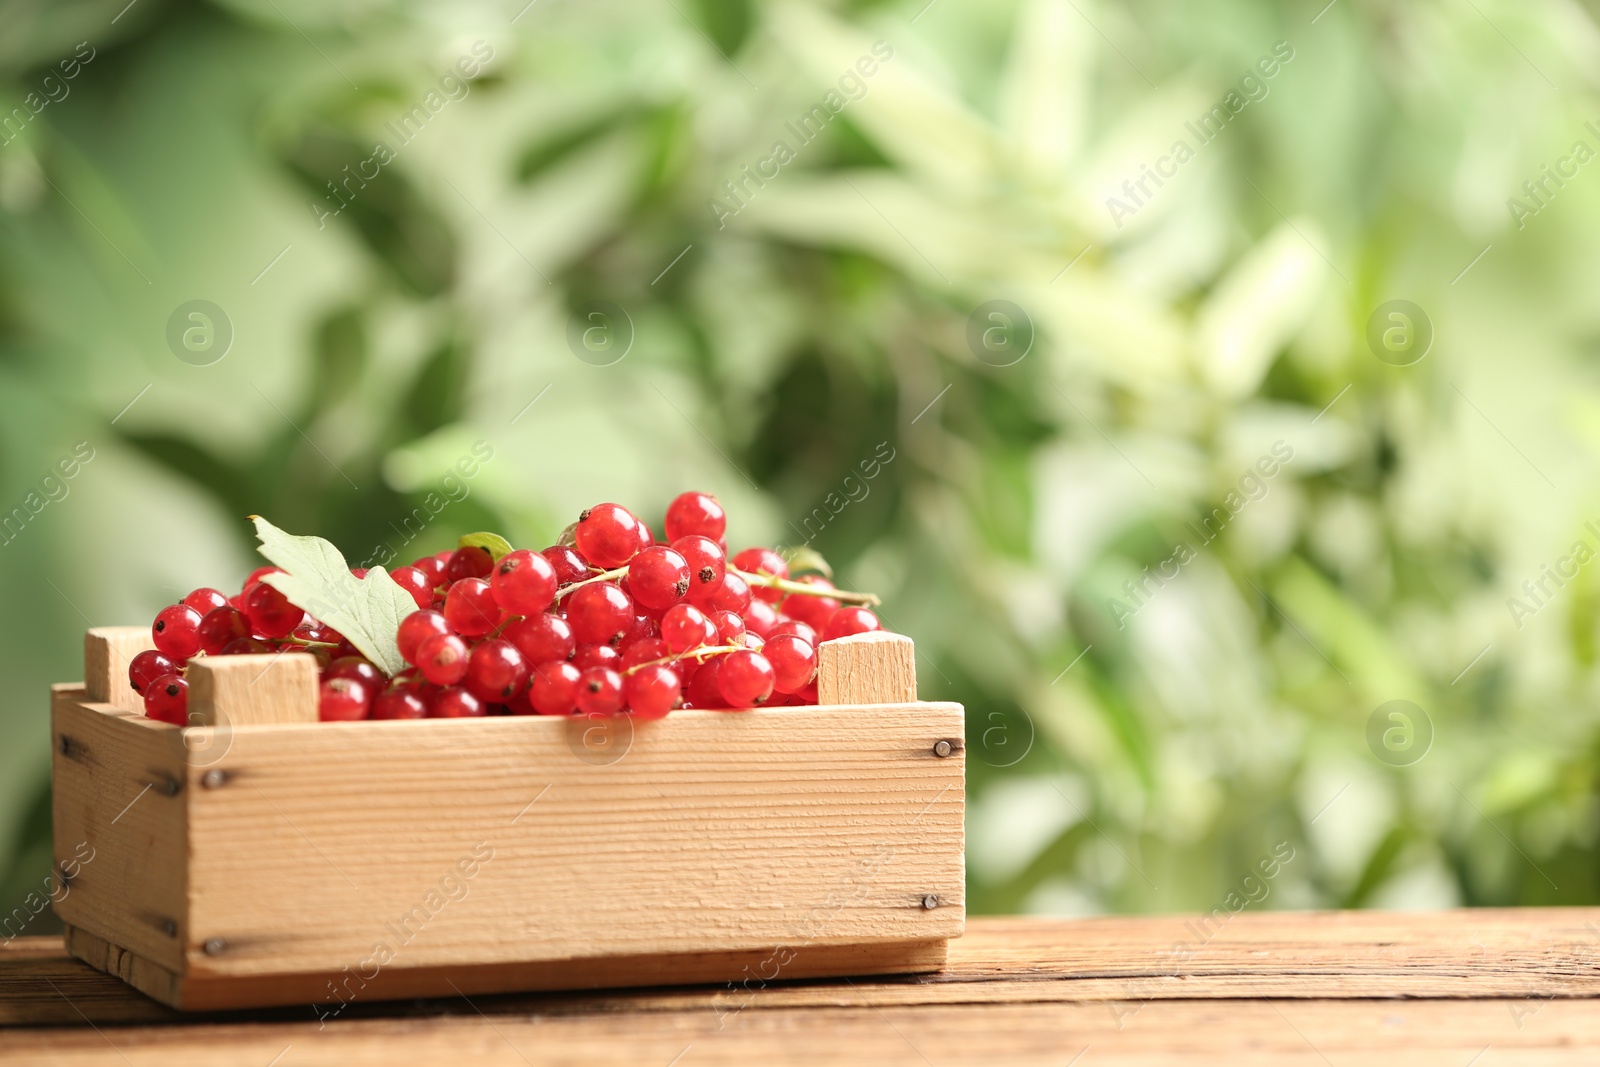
<point x="788" y="326"/>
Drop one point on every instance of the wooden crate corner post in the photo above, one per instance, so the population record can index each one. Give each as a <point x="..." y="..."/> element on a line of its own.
<point x="107" y="651"/>
<point x="273" y="688"/>
<point x="871" y="668"/>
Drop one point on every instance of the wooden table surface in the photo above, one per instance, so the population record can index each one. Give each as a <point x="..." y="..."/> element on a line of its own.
<point x="1458" y="989"/>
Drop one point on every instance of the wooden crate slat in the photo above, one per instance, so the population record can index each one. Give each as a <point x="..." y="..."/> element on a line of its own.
<point x="107" y="651"/>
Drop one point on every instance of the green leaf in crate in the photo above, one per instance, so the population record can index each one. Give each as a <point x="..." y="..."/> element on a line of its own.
<point x="367" y="611"/>
<point x="498" y="546"/>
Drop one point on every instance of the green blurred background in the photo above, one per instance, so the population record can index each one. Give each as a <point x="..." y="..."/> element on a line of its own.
<point x="1127" y="753"/>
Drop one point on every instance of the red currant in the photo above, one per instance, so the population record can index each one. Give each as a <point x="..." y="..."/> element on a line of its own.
<point x="763" y="561"/>
<point x="651" y="692"/>
<point x="205" y="600"/>
<point x="177" y="631"/>
<point x="271" y="614"/>
<point x="432" y="568"/>
<point x="358" y="668"/>
<point x="220" y="628"/>
<point x="470" y="608"/>
<point x="760" y="617"/>
<point x="343" y="699"/>
<point x="814" y="611"/>
<point x="417" y="628"/>
<point x="707" y="561"/>
<point x="745" y="679"/>
<point x="847" y="621"/>
<point x="730" y="627"/>
<point x="695" y="513"/>
<point x="701" y="689"/>
<point x="658" y="577"/>
<point x="646" y="538"/>
<point x="496" y="671"/>
<point x="794" y="662"/>
<point x="804" y="631"/>
<point x="542" y="637"/>
<point x="754" y="642"/>
<point x="554" y="689"/>
<point x="524" y="583"/>
<point x="730" y="594"/>
<point x="442" y="659"/>
<point x="686" y="626"/>
<point x="596" y="656"/>
<point x="413" y="581"/>
<point x="245" y="646"/>
<point x="472" y="561"/>
<point x="147" y="666"/>
<point x="258" y="574"/>
<point x="644" y="650"/>
<point x="569" y="566"/>
<point x="600" y="691"/>
<point x="456" y="703"/>
<point x="400" y="704"/>
<point x="599" y="613"/>
<point x="167" y="699"/>
<point x="607" y="535"/>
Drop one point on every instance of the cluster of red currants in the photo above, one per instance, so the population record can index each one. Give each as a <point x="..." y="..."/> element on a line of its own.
<point x="613" y="623"/>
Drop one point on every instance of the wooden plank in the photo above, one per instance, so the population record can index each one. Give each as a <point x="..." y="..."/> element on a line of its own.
<point x="494" y="841"/>
<point x="1316" y="1033"/>
<point x="107" y="651"/>
<point x="117" y="785"/>
<point x="236" y="691"/>
<point x="870" y="668"/>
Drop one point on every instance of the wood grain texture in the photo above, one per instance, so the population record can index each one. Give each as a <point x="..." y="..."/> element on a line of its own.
<point x="117" y="802"/>
<point x="870" y="668"/>
<point x="1267" y="989"/>
<point x="107" y="651"/>
<point x="253" y="690"/>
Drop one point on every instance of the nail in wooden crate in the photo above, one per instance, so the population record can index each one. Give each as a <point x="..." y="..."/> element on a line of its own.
<point x="265" y="858"/>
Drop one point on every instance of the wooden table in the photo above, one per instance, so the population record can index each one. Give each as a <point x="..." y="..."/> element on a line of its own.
<point x="1478" y="988"/>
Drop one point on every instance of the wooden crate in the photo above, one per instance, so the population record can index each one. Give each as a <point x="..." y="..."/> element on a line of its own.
<point x="270" y="859"/>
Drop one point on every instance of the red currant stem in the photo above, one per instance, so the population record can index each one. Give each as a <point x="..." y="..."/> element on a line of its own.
<point x="603" y="576"/>
<point x="307" y="644"/>
<point x="699" y="655"/>
<point x="844" y="596"/>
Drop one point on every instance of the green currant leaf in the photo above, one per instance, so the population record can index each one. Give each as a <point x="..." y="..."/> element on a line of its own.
<point x="805" y="558"/>
<point x="367" y="611"/>
<point x="498" y="546"/>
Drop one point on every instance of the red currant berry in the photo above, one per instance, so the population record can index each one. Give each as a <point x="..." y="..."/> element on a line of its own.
<point x="804" y="631"/>
<point x="847" y="621"/>
<point x="794" y="662"/>
<point x="554" y="689"/>
<point x="220" y="628"/>
<point x="442" y="659"/>
<point x="754" y="642"/>
<point x="730" y="627"/>
<point x="359" y="573"/>
<point x="343" y="700"/>
<point x="470" y="608"/>
<point x="745" y="679"/>
<point x="271" y="614"/>
<point x="413" y="581"/>
<point x="696" y="513"/>
<point x="808" y="695"/>
<point x="147" y="666"/>
<point x="245" y="646"/>
<point x="496" y="672"/>
<point x="432" y="568"/>
<point x="814" y="611"/>
<point x="177" y="631"/>
<point x="707" y="561"/>
<point x="646" y="538"/>
<point x="644" y="650"/>
<point x="701" y="689"/>
<point x="568" y="565"/>
<point x="400" y="703"/>
<point x="167" y="699"/>
<point x="472" y="561"/>
<point x="658" y="577"/>
<point x="760" y="617"/>
<point x="417" y="628"/>
<point x="686" y="626"/>
<point x="358" y="668"/>
<point x="596" y="656"/>
<point x="542" y="637"/>
<point x="730" y="594"/>
<point x="600" y="691"/>
<point x="607" y="535"/>
<point x="205" y="601"/>
<point x="643" y="626"/>
<point x="258" y="574"/>
<point x="651" y="692"/>
<point x="763" y="561"/>
<point x="456" y="703"/>
<point x="524" y="583"/>
<point x="599" y="613"/>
